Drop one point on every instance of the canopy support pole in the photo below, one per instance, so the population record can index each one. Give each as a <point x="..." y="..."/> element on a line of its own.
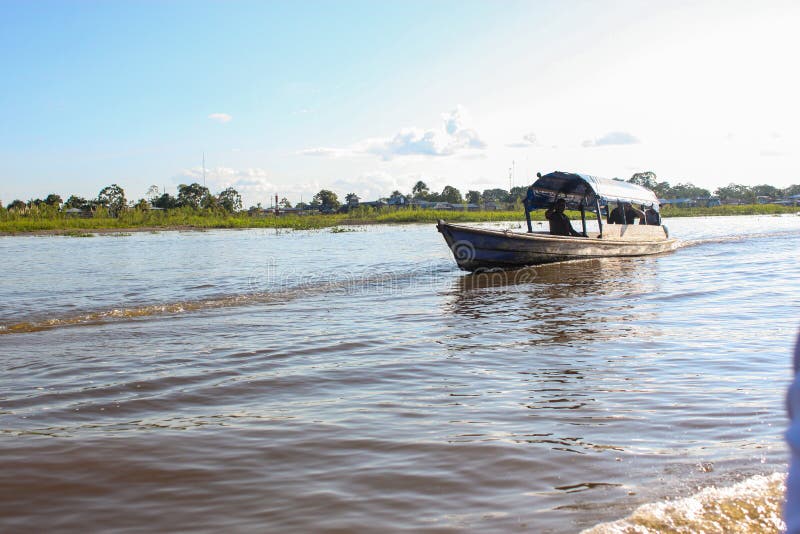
<point x="583" y="218"/>
<point x="599" y="217"/>
<point x="526" y="203"/>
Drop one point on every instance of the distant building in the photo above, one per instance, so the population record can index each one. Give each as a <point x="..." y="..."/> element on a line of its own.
<point x="677" y="202"/>
<point x="77" y="212"/>
<point x="707" y="202"/>
<point x="374" y="203"/>
<point x="699" y="202"/>
<point x="465" y="207"/>
<point x="398" y="201"/>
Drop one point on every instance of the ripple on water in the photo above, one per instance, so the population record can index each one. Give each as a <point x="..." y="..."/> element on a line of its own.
<point x="207" y="394"/>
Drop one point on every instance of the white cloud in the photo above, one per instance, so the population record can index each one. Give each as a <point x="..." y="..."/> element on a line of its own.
<point x="220" y="117"/>
<point x="451" y="139"/>
<point x="613" y="138"/>
<point x="473" y="155"/>
<point x="528" y="140"/>
<point x="326" y="152"/>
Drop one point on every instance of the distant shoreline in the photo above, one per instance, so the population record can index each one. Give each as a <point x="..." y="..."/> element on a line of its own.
<point x="76" y="227"/>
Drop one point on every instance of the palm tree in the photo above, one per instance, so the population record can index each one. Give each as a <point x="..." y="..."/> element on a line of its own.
<point x="420" y="189"/>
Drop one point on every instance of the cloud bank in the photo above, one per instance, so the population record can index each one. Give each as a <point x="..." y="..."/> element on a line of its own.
<point x="220" y="117"/>
<point x="453" y="138"/>
<point x="528" y="140"/>
<point x="613" y="138"/>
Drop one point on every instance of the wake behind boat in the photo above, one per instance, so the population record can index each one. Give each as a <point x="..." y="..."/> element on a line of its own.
<point x="475" y="248"/>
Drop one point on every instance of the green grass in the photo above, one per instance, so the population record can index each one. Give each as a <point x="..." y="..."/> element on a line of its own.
<point x="50" y="220"/>
<point x="12" y="223"/>
<point x="747" y="209"/>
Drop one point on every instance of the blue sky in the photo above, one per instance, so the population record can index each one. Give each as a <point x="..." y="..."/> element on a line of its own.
<point x="289" y="97"/>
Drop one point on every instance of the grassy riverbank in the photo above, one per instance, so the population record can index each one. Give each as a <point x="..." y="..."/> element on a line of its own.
<point x="188" y="219"/>
<point x="15" y="223"/>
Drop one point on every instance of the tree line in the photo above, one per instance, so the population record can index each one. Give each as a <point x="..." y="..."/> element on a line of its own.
<point x="327" y="200"/>
<point x="195" y="196"/>
<point x="746" y="194"/>
<point x="112" y="199"/>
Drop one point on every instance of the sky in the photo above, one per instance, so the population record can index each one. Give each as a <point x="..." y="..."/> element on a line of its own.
<point x="289" y="98"/>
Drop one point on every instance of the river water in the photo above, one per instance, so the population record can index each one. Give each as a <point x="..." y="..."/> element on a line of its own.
<point x="320" y="381"/>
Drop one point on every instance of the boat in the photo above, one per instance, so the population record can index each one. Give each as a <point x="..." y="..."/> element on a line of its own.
<point x="479" y="248"/>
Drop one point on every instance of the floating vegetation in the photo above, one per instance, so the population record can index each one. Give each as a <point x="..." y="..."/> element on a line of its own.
<point x="76" y="233"/>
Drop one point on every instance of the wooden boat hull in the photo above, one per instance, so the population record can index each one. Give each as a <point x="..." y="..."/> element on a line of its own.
<point x="475" y="248"/>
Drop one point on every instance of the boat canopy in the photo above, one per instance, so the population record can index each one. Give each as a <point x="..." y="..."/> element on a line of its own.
<point x="583" y="190"/>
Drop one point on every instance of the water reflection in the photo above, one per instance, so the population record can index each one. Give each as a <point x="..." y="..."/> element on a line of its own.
<point x="560" y="303"/>
<point x="551" y="335"/>
<point x="600" y="275"/>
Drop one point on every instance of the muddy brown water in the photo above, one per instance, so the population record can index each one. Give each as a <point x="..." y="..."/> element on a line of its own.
<point x="309" y="381"/>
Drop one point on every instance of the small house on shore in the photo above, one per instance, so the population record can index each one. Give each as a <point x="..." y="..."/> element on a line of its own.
<point x="77" y="212"/>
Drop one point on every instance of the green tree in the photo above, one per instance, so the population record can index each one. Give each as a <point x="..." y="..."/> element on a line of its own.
<point x="452" y="195"/>
<point x="53" y="200"/>
<point x="495" y="195"/>
<point x="765" y="190"/>
<point x="192" y="195"/>
<point x="432" y="196"/>
<point x="420" y="190"/>
<point x="113" y="198"/>
<point x="645" y="179"/>
<point x="649" y="180"/>
<point x="142" y="205"/>
<point x="662" y="190"/>
<point x="76" y="202"/>
<point x="517" y="194"/>
<point x="210" y="202"/>
<point x="688" y="190"/>
<point x="473" y="197"/>
<point x="152" y="193"/>
<point x="326" y="200"/>
<point x="284" y="203"/>
<point x="17" y="205"/>
<point x="165" y="201"/>
<point x="230" y="200"/>
<point x="351" y="198"/>
<point x="791" y="190"/>
<point x="742" y="193"/>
